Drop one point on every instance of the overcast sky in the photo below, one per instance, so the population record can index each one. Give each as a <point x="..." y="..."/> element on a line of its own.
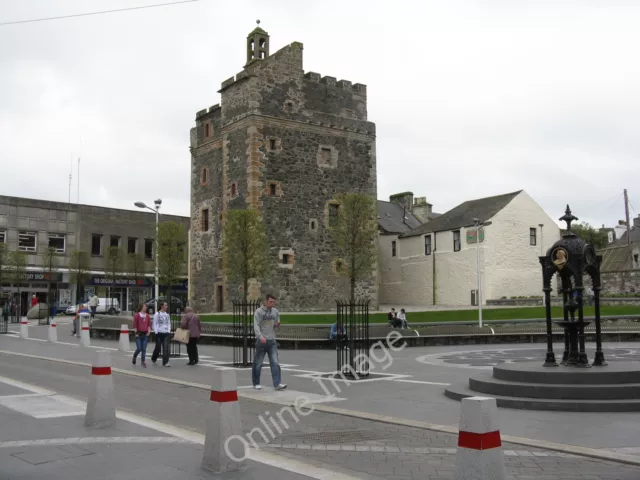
<point x="470" y="98"/>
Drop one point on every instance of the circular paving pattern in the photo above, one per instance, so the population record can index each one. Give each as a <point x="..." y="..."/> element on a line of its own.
<point x="486" y="359"/>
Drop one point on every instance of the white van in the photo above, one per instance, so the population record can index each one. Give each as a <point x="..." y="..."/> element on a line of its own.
<point x="106" y="305"/>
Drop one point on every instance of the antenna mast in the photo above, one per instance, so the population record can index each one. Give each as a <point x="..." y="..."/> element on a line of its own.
<point x="626" y="212"/>
<point x="70" y="171"/>
<point x="78" y="201"/>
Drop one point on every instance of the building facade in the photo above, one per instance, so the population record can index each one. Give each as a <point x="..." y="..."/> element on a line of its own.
<point x="284" y="142"/>
<point x="436" y="263"/>
<point x="32" y="226"/>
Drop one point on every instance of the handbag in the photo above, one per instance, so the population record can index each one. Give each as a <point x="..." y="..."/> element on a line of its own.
<point x="181" y="335"/>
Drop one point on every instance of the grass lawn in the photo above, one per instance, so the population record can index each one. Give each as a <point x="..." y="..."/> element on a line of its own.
<point x="444" y="316"/>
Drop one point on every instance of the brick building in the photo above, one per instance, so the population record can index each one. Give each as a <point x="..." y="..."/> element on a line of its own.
<point x="285" y="142"/>
<point x="32" y="226"/>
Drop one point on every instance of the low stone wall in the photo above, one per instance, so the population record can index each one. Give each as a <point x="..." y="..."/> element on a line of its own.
<point x="557" y="301"/>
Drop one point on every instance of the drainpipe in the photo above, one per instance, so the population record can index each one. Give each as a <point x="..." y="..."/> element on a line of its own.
<point x="433" y="254"/>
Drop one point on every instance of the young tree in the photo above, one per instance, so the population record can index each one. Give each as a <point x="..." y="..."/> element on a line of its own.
<point x="4" y="258"/>
<point x="245" y="248"/>
<point x="590" y="235"/>
<point x="17" y="263"/>
<point x="79" y="267"/>
<point x="172" y="255"/>
<point x="51" y="261"/>
<point x="113" y="267"/>
<point x="136" y="270"/>
<point x="355" y="233"/>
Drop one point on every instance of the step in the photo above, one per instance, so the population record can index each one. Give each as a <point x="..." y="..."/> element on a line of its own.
<point x="533" y="372"/>
<point x="487" y="384"/>
<point x="460" y="391"/>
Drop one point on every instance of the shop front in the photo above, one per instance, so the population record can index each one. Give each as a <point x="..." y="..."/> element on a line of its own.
<point x="129" y="292"/>
<point x="36" y="284"/>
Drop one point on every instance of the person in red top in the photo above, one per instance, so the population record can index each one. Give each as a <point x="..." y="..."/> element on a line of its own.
<point x="141" y="326"/>
<point x="34" y="301"/>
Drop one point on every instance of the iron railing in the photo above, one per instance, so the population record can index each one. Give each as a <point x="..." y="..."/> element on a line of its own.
<point x="352" y="338"/>
<point x="244" y="337"/>
<point x="174" y="347"/>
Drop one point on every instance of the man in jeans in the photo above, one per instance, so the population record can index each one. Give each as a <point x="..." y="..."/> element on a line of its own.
<point x="162" y="330"/>
<point x="265" y="320"/>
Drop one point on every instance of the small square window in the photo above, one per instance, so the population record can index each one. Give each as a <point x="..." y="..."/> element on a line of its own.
<point x="325" y="155"/>
<point x="285" y="259"/>
<point x="272" y="189"/>
<point x="115" y="241"/>
<point x="27" y="241"/>
<point x="272" y="144"/>
<point x="132" y="245"/>
<point x="57" y="241"/>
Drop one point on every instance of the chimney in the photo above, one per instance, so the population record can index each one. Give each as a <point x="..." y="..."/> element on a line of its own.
<point x="405" y="199"/>
<point x="422" y="209"/>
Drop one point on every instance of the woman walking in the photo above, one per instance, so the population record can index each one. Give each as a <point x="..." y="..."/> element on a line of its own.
<point x="141" y="327"/>
<point x="190" y="321"/>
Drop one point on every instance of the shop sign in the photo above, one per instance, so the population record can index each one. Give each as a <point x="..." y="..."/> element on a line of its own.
<point x="120" y="282"/>
<point x="43" y="277"/>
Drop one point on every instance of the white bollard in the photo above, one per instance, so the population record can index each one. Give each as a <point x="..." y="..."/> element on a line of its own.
<point x="53" y="331"/>
<point x="123" y="345"/>
<point x="85" y="339"/>
<point x="479" y="455"/>
<point x="101" y="405"/>
<point x="224" y="447"/>
<point x="24" y="328"/>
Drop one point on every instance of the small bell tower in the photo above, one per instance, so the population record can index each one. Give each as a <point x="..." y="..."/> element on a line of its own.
<point x="257" y="44"/>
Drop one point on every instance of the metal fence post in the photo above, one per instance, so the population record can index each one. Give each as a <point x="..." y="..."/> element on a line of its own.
<point x="243" y="334"/>
<point x="352" y="338"/>
<point x="174" y="347"/>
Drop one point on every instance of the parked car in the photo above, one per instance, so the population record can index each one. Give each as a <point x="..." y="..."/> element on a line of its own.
<point x="110" y="306"/>
<point x="175" y="307"/>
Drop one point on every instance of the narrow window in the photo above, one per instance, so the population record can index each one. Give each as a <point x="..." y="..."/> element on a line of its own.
<point x="96" y="245"/>
<point x="427" y="245"/>
<point x="204" y="175"/>
<point x="57" y="241"/>
<point x="233" y="190"/>
<point x="148" y="248"/>
<point x="285" y="259"/>
<point x="27" y="241"/>
<point x="313" y="224"/>
<point x="206" y="130"/>
<point x="325" y="154"/>
<point x="115" y="241"/>
<point x="132" y="244"/>
<point x="272" y="144"/>
<point x="204" y="220"/>
<point x="272" y="189"/>
<point x="393" y="248"/>
<point x="3" y="236"/>
<point x="456" y="241"/>
<point x="532" y="236"/>
<point x="333" y="214"/>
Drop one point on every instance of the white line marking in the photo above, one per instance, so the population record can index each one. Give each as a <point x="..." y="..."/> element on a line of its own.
<point x="424" y="382"/>
<point x="42" y="406"/>
<point x="22" y="395"/>
<point x="26" y="386"/>
<point x="274" y="460"/>
<point x="89" y="440"/>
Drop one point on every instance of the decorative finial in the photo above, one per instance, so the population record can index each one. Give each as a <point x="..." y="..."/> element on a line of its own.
<point x="568" y="217"/>
<point x="258" y="22"/>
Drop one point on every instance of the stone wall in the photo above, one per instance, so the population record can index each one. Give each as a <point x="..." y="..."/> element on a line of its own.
<point x="620" y="282"/>
<point x="289" y="143"/>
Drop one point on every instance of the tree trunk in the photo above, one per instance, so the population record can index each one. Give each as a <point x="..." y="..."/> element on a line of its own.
<point x="49" y="302"/>
<point x="246" y="290"/>
<point x="353" y="289"/>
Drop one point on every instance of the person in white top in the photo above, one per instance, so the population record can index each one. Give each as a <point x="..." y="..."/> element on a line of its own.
<point x="162" y="331"/>
<point x="402" y="316"/>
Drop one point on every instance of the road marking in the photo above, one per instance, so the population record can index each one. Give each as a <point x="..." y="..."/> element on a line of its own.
<point x="88" y="440"/>
<point x="529" y="442"/>
<point x="41" y="406"/>
<point x="423" y="382"/>
<point x="283" y="463"/>
<point x="26" y="386"/>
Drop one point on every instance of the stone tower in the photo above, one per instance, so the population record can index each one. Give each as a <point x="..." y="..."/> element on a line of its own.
<point x="284" y="142"/>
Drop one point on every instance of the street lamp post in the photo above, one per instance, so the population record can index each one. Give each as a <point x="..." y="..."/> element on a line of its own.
<point x="157" y="203"/>
<point x="541" y="254"/>
<point x="477" y="224"/>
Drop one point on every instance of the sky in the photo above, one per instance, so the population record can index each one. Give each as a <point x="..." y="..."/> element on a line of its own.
<point x="470" y="98"/>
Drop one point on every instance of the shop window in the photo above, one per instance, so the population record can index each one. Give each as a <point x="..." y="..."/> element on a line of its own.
<point x="27" y="241"/>
<point x="57" y="241"/>
<point x="96" y="245"/>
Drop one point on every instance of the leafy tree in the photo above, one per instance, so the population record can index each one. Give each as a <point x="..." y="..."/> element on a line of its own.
<point x="17" y="263"/>
<point x="136" y="270"/>
<point x="79" y="267"/>
<point x="355" y="232"/>
<point x="4" y="259"/>
<point x="591" y="235"/>
<point x="113" y="266"/>
<point x="51" y="261"/>
<point x="172" y="255"/>
<point x="245" y="248"/>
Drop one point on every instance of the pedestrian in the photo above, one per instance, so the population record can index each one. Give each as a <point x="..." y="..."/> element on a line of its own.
<point x="190" y="321"/>
<point x="162" y="331"/>
<point x="265" y="320"/>
<point x="34" y="300"/>
<point x="76" y="320"/>
<point x="93" y="305"/>
<point x="141" y="327"/>
<point x="402" y="317"/>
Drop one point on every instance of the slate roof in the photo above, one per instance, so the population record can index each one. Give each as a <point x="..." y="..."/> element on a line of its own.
<point x="390" y="218"/>
<point x="635" y="237"/>
<point x="483" y="209"/>
<point x="615" y="259"/>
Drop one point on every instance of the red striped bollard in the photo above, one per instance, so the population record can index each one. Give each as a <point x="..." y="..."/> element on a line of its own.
<point x="101" y="405"/>
<point x="85" y="338"/>
<point x="123" y="342"/>
<point x="224" y="447"/>
<point x="479" y="455"/>
<point x="24" y="328"/>
<point x="53" y="332"/>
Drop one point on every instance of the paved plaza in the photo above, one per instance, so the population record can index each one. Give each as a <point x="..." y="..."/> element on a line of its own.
<point x="364" y="443"/>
